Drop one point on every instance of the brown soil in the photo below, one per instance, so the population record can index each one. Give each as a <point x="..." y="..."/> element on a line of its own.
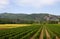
<point x="41" y="35"/>
<point x="47" y="34"/>
<point x="32" y="37"/>
<point x="57" y="37"/>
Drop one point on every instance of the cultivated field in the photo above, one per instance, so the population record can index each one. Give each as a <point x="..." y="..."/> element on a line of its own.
<point x="28" y="31"/>
<point x="12" y="25"/>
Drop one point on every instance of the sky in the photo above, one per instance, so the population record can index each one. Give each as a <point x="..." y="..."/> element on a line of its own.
<point x="30" y="6"/>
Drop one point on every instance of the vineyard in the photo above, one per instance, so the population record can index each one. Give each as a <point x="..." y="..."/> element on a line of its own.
<point x="46" y="31"/>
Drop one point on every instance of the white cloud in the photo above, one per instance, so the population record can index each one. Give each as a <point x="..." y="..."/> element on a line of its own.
<point x="36" y="3"/>
<point x="3" y="3"/>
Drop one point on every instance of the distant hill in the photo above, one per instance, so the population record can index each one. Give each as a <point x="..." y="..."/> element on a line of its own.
<point x="26" y="16"/>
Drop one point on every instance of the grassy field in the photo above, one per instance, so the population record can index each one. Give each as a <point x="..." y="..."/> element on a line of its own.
<point x="30" y="31"/>
<point x="13" y="25"/>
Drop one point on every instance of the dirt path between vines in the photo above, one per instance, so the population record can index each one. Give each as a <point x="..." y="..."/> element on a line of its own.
<point x="33" y="37"/>
<point x="47" y="34"/>
<point x="57" y="37"/>
<point x="41" y="35"/>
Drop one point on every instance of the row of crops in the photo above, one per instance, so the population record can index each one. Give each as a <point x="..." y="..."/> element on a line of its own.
<point x="31" y="32"/>
<point x="54" y="30"/>
<point x="21" y="32"/>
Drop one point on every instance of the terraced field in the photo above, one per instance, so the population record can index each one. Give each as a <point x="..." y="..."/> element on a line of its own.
<point x="48" y="31"/>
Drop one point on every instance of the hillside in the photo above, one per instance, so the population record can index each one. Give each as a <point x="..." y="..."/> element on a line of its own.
<point x="26" y="16"/>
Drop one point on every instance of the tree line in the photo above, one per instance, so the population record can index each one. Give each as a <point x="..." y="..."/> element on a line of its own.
<point x="15" y="21"/>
